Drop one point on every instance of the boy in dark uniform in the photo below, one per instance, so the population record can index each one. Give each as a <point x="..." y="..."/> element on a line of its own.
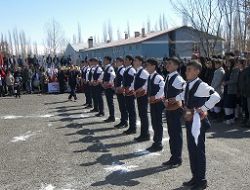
<point x="198" y="97"/>
<point x="127" y="83"/>
<point x="173" y="87"/>
<point x="140" y="87"/>
<point x="120" y="93"/>
<point x="91" y="86"/>
<point x="155" y="96"/>
<point x="108" y="84"/>
<point x="85" y="71"/>
<point x="97" y="88"/>
<point x="73" y="74"/>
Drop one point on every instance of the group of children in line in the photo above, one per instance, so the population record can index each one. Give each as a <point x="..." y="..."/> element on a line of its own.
<point x="133" y="79"/>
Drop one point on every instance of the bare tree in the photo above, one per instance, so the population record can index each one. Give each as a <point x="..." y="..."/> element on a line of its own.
<point x="35" y="48"/>
<point x="54" y="37"/>
<point x="16" y="41"/>
<point x="228" y="9"/>
<point x="128" y="29"/>
<point x="10" y="43"/>
<point x="119" y="37"/>
<point x="74" y="39"/>
<point x="148" y="25"/>
<point x="104" y="32"/>
<point x="79" y="33"/>
<point x="164" y="22"/>
<point x="160" y="23"/>
<point x="206" y="17"/>
<point x="110" y="31"/>
<point x="23" y="43"/>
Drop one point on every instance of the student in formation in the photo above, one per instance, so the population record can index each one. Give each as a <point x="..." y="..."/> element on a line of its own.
<point x="140" y="87"/>
<point x="108" y="85"/>
<point x="198" y="98"/>
<point x="173" y="87"/>
<point x="97" y="88"/>
<point x="120" y="93"/>
<point x="155" y="93"/>
<point x="85" y="72"/>
<point x="127" y="83"/>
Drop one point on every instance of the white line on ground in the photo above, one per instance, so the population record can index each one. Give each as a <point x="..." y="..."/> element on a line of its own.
<point x="118" y="167"/>
<point x="23" y="137"/>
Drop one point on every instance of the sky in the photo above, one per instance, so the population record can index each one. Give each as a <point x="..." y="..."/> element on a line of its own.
<point x="31" y="16"/>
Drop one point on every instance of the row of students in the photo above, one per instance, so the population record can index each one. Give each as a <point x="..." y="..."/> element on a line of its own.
<point x="134" y="82"/>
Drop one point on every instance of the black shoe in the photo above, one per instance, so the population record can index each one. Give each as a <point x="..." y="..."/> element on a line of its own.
<point x="93" y="110"/>
<point x="121" y="125"/>
<point x="142" y="138"/>
<point x="85" y="104"/>
<point x="99" y="115"/>
<point x="109" y="120"/>
<point x="200" y="186"/>
<point x="155" y="148"/>
<point x="189" y="183"/>
<point x="87" y="107"/>
<point x="172" y="164"/>
<point x="129" y="132"/>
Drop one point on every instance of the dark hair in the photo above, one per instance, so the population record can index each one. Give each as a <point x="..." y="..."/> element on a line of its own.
<point x="195" y="64"/>
<point x="140" y="58"/>
<point x="175" y="60"/>
<point x="94" y="59"/>
<point x="108" y="58"/>
<point x="152" y="61"/>
<point x="129" y="57"/>
<point x="120" y="59"/>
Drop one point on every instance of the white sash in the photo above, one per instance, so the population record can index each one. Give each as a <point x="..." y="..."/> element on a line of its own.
<point x="196" y="127"/>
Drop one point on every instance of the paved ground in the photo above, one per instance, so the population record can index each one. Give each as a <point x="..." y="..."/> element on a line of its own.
<point x="48" y="143"/>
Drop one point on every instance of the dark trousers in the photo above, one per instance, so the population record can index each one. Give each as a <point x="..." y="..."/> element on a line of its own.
<point x="88" y="94"/>
<point x="197" y="156"/>
<point x="130" y="106"/>
<point x="142" y="104"/>
<point x="72" y="92"/>
<point x="122" y="108"/>
<point x="156" y="121"/>
<point x="17" y="90"/>
<point x="175" y="134"/>
<point x="61" y="86"/>
<point x="109" y="93"/>
<point x="1" y="91"/>
<point x="97" y="91"/>
<point x="93" y="95"/>
<point x="245" y="108"/>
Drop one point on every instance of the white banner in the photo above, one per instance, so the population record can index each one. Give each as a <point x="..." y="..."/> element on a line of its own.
<point x="53" y="87"/>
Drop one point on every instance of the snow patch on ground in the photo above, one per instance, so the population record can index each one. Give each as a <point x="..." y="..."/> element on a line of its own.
<point x="11" y="117"/>
<point x="123" y="168"/>
<point x="23" y="137"/>
<point x="47" y="187"/>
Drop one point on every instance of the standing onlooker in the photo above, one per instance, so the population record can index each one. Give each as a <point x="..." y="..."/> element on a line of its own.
<point x="2" y="78"/>
<point x="10" y="83"/>
<point x="230" y="90"/>
<point x="73" y="74"/>
<point x="1" y="83"/>
<point x="217" y="84"/>
<point x="246" y="85"/>
<point x="17" y="83"/>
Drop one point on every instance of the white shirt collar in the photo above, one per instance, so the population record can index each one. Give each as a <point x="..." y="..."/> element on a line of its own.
<point x="120" y="66"/>
<point x="139" y="68"/>
<point x="193" y="82"/>
<point x="172" y="74"/>
<point x="128" y="66"/>
<point x="152" y="74"/>
<point x="106" y="66"/>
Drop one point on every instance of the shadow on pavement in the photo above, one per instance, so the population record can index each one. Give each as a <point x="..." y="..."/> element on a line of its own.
<point x="124" y="178"/>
